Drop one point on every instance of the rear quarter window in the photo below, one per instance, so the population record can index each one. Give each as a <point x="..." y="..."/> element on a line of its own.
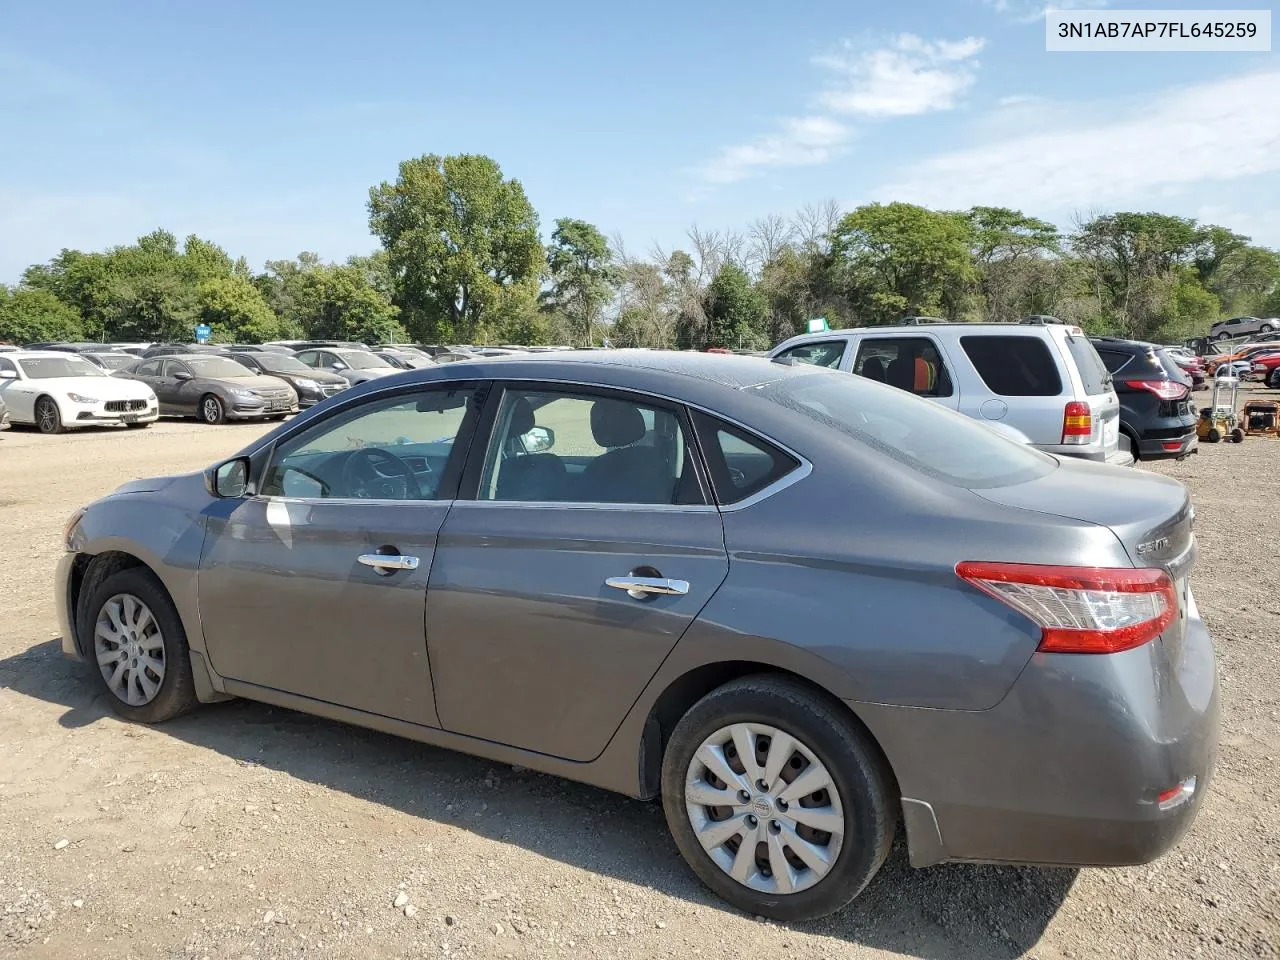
<point x="1093" y="374"/>
<point x="1014" y="366"/>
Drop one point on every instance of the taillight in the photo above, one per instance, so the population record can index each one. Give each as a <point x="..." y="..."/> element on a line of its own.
<point x="1164" y="389"/>
<point x="1077" y="423"/>
<point x="1081" y="609"/>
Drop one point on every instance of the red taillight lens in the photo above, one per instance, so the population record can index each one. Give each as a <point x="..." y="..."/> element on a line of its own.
<point x="1164" y="389"/>
<point x="1081" y="609"/>
<point x="1077" y="423"/>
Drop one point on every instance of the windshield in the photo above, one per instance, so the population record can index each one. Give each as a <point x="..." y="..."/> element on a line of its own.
<point x="919" y="433"/>
<point x="217" y="368"/>
<point x="272" y="363"/>
<point x="46" y="368"/>
<point x="359" y="360"/>
<point x="115" y="361"/>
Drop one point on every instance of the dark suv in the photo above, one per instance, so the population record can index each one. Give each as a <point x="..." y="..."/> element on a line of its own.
<point x="1157" y="414"/>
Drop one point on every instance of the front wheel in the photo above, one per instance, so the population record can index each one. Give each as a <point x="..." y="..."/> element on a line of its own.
<point x="139" y="646"/>
<point x="1266" y="328"/>
<point x="1273" y="379"/>
<point x="1237" y="435"/>
<point x="1223" y="336"/>
<point x="1214" y="435"/>
<point x="777" y="799"/>
<point x="212" y="410"/>
<point x="48" y="416"/>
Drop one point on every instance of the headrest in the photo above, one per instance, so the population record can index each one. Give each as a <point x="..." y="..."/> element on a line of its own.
<point x="521" y="418"/>
<point x="615" y="423"/>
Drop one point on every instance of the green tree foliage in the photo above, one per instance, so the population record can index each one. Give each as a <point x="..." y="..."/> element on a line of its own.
<point x="340" y="303"/>
<point x="235" y="309"/>
<point x="34" y="316"/>
<point x="737" y="310"/>
<point x="583" y="276"/>
<point x="461" y="242"/>
<point x="899" y="257"/>
<point x="1014" y="257"/>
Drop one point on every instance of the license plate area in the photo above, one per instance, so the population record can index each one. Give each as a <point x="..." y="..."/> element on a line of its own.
<point x="128" y="418"/>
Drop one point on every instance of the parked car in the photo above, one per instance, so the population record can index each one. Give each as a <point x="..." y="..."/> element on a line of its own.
<point x="1240" y="359"/>
<point x="113" y="361"/>
<point x="1044" y="380"/>
<point x="1157" y="414"/>
<point x="311" y="386"/>
<point x="354" y="366"/>
<point x="9" y="348"/>
<point x="215" y="389"/>
<point x="1190" y="364"/>
<point x="4" y="413"/>
<point x="1266" y="367"/>
<point x="181" y="349"/>
<point x="402" y="360"/>
<point x="1238" y="326"/>
<point x="922" y="621"/>
<point x="54" y="390"/>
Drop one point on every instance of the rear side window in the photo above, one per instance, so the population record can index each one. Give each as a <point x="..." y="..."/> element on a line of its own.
<point x="740" y="463"/>
<point x="1014" y="366"/>
<point x="1093" y="374"/>
<point x="825" y="354"/>
<point x="1113" y="360"/>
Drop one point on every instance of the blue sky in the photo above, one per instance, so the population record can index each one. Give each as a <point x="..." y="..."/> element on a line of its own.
<point x="262" y="125"/>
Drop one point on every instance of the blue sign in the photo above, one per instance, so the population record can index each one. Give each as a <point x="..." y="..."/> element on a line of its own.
<point x="203" y="332"/>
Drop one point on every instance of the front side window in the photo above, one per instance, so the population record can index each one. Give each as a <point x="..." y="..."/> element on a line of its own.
<point x="150" y="368"/>
<point x="310" y="358"/>
<point x="398" y="448"/>
<point x="1014" y="366"/>
<point x="908" y="363"/>
<point x="47" y="368"/>
<point x="566" y="447"/>
<point x="824" y="354"/>
<point x="927" y="437"/>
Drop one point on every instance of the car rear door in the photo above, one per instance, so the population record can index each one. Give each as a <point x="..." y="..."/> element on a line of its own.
<point x="1024" y="383"/>
<point x="588" y="548"/>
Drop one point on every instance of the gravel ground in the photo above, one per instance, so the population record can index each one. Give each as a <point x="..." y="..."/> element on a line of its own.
<point x="247" y="831"/>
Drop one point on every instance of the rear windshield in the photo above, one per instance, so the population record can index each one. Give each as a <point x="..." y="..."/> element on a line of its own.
<point x="1014" y="366"/>
<point x="919" y="433"/>
<point x="1093" y="374"/>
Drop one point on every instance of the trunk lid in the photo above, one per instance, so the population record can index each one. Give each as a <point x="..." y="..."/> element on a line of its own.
<point x="1150" y="515"/>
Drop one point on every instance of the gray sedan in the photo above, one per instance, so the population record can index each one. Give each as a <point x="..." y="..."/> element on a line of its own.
<point x="803" y="608"/>
<point x="214" y="388"/>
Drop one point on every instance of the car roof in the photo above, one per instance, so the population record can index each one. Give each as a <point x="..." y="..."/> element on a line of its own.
<point x="39" y="355"/>
<point x="1013" y="329"/>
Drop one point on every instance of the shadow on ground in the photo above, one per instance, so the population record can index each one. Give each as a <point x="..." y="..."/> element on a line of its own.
<point x="954" y="912"/>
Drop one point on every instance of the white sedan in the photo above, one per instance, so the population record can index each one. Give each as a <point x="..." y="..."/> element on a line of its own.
<point x="53" y="391"/>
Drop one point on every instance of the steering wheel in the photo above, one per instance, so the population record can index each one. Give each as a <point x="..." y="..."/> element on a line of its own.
<point x="360" y="476"/>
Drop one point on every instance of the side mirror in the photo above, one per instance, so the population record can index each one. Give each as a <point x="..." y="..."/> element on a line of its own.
<point x="181" y="375"/>
<point x="8" y="374"/>
<point x="539" y="440"/>
<point x="231" y="479"/>
<point x="336" y="367"/>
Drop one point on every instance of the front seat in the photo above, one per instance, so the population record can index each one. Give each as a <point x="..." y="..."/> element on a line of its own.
<point x="529" y="476"/>
<point x="625" y="474"/>
<point x="873" y="369"/>
<point x="902" y="374"/>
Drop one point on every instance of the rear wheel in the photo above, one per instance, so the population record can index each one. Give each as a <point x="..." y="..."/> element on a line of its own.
<point x="48" y="416"/>
<point x="139" y="646"/>
<point x="211" y="409"/>
<point x="1237" y="435"/>
<point x="777" y="799"/>
<point x="1273" y="379"/>
<point x="1266" y="328"/>
<point x="1214" y="435"/>
<point x="1223" y="336"/>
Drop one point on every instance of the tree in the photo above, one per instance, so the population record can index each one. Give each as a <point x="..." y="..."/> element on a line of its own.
<point x="900" y="257"/>
<point x="34" y="316"/>
<point x="583" y="276"/>
<point x="237" y="312"/>
<point x="339" y="303"/>
<point x="737" y="310"/>
<point x="1009" y="249"/>
<point x="460" y="239"/>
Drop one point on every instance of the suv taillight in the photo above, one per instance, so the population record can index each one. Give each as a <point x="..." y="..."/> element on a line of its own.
<point x="1077" y="423"/>
<point x="1164" y="389"/>
<point x="1081" y="609"/>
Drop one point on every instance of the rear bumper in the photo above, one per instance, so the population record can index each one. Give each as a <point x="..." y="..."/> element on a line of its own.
<point x="1067" y="769"/>
<point x="1169" y="448"/>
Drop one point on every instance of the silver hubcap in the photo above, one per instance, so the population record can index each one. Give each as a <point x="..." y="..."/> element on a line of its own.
<point x="211" y="409"/>
<point x="764" y="808"/>
<point x="130" y="649"/>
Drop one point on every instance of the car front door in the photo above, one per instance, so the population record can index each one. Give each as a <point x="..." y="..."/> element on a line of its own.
<point x="179" y="383"/>
<point x="916" y="363"/>
<point x="316" y="584"/>
<point x="588" y="549"/>
<point x="150" y="373"/>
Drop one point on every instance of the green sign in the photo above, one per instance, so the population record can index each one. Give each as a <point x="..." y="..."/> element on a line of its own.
<point x="818" y="325"/>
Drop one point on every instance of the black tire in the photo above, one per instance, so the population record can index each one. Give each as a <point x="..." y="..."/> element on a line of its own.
<point x="1213" y="436"/>
<point x="1273" y="379"/>
<point x="48" y="416"/>
<point x="862" y="778"/>
<point x="1266" y="328"/>
<point x="177" y="692"/>
<point x="1223" y="336"/>
<point x="1132" y="444"/>
<point x="212" y="410"/>
<point x="1237" y="435"/>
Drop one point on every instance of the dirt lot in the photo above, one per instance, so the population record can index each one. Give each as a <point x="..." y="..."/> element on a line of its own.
<point x="246" y="831"/>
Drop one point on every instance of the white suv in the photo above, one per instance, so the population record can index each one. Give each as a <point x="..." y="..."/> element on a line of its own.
<point x="1045" y="381"/>
<point x="1239" y="326"/>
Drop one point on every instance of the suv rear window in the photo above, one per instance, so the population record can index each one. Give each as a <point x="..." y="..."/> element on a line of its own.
<point x="925" y="436"/>
<point x="1093" y="374"/>
<point x="1014" y="366"/>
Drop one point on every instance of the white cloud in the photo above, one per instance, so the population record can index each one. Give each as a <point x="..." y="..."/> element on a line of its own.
<point x="909" y="76"/>
<point x="1029" y="11"/>
<point x="1212" y="132"/>
<point x="1017" y="99"/>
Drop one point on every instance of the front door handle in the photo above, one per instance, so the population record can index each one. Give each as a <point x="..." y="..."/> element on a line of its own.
<point x="385" y="561"/>
<point x="641" y="587"/>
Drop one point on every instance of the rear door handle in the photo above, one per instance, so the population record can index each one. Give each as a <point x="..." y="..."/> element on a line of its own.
<point x="385" y="561"/>
<point x="641" y="587"/>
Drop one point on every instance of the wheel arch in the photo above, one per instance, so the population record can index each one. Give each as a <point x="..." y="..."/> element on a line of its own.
<point x="87" y="571"/>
